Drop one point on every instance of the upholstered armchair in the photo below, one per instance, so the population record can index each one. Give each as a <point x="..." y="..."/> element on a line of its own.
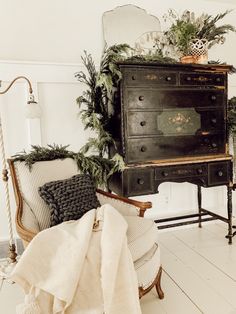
<point x="32" y="216"/>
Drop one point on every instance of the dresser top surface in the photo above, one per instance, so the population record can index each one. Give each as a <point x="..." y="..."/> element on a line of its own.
<point x="178" y="66"/>
<point x="181" y="161"/>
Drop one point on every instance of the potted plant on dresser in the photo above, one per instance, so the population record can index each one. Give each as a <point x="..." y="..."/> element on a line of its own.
<point x="190" y="37"/>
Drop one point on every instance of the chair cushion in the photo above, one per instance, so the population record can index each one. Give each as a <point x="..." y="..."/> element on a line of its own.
<point x="141" y="235"/>
<point x="147" y="267"/>
<point x="69" y="199"/>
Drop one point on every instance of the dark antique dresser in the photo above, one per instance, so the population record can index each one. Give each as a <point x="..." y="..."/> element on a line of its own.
<point x="169" y="124"/>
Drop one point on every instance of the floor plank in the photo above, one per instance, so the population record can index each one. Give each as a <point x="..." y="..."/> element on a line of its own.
<point x="151" y="304"/>
<point x="213" y="246"/>
<point x="217" y="280"/>
<point x="175" y="300"/>
<point x="200" y="293"/>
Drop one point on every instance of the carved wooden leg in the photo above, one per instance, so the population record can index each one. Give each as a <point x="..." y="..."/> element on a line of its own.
<point x="158" y="285"/>
<point x="199" y="199"/>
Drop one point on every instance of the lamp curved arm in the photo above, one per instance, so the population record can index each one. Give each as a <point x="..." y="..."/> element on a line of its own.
<point x="12" y="82"/>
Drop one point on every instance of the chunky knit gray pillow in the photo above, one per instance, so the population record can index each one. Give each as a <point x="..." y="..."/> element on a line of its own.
<point x="69" y="199"/>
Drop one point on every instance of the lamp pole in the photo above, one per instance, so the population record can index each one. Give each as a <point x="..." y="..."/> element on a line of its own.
<point x="12" y="246"/>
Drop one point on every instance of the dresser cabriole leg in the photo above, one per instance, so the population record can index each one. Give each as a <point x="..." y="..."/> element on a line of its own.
<point x="229" y="207"/>
<point x="199" y="199"/>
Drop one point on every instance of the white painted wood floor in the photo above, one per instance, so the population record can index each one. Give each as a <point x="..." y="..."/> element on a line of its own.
<point x="199" y="274"/>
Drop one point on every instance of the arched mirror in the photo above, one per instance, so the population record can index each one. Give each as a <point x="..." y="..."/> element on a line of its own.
<point x="132" y="25"/>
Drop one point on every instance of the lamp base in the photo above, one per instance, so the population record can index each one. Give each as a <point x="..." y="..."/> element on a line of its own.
<point x="12" y="253"/>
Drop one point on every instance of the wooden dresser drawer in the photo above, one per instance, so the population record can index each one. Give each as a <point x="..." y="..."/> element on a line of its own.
<point x="188" y="122"/>
<point x="149" y="77"/>
<point x="153" y="98"/>
<point x="202" y="79"/>
<point x="163" y="147"/>
<point x="218" y="173"/>
<point x="140" y="181"/>
<point x="180" y="171"/>
<point x="143" y="123"/>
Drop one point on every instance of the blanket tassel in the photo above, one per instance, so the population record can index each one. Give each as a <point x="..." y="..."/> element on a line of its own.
<point x="30" y="306"/>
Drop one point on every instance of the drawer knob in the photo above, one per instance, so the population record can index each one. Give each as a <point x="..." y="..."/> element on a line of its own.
<point x="168" y="78"/>
<point x="213" y="97"/>
<point x="218" y="79"/>
<point x="220" y="173"/>
<point x="140" y="181"/>
<point x="213" y="120"/>
<point x="165" y="174"/>
<point x="143" y="123"/>
<point x="143" y="149"/>
<point x="199" y="171"/>
<point x="141" y="98"/>
<point x="214" y="145"/>
<point x="133" y="78"/>
<point x="188" y="78"/>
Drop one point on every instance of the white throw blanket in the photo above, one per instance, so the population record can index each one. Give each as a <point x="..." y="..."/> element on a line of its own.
<point x="78" y="267"/>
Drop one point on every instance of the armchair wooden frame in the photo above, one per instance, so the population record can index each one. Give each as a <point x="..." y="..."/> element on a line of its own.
<point x="27" y="235"/>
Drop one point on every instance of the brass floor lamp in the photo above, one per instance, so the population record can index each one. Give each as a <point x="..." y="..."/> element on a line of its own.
<point x="32" y="112"/>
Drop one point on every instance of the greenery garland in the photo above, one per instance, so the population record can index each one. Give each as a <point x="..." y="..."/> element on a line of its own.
<point x="99" y="168"/>
<point x="158" y="57"/>
<point x="98" y="96"/>
<point x="232" y="115"/>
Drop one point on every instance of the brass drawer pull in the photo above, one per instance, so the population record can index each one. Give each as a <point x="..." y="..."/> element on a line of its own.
<point x="220" y="173"/>
<point x="140" y="181"/>
<point x="168" y="78"/>
<point x="213" y="97"/>
<point x="141" y="98"/>
<point x="214" y="145"/>
<point x="165" y="174"/>
<point x="218" y="79"/>
<point x="143" y="149"/>
<point x="199" y="171"/>
<point x="143" y="123"/>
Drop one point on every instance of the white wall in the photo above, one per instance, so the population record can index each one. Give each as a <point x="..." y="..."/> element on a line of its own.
<point x="44" y="41"/>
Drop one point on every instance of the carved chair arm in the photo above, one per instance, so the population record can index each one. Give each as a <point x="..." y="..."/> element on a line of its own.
<point x="143" y="206"/>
